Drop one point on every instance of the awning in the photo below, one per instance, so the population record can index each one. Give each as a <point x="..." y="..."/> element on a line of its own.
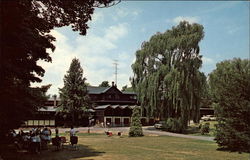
<point x="115" y="106"/>
<point x="47" y="109"/>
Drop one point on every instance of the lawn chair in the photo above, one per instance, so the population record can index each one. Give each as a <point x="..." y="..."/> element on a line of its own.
<point x="56" y="142"/>
<point x="64" y="141"/>
<point x="74" y="141"/>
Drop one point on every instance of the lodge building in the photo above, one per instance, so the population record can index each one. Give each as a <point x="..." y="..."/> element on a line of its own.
<point x="112" y="107"/>
<point x="109" y="107"/>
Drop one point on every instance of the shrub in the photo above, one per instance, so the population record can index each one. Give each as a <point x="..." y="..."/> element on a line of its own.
<point x="135" y="126"/>
<point x="173" y="125"/>
<point x="205" y="128"/>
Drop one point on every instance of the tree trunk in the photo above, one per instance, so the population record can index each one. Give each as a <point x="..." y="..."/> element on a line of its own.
<point x="73" y="118"/>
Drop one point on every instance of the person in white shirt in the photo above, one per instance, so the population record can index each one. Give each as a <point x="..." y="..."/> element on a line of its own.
<point x="73" y="137"/>
<point x="35" y="143"/>
<point x="46" y="134"/>
<point x="72" y="131"/>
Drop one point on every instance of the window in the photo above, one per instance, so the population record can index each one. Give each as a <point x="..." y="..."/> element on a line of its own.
<point x="132" y="97"/>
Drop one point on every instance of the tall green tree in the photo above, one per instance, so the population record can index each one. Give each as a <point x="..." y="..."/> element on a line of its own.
<point x="25" y="39"/>
<point x="230" y="87"/>
<point x="127" y="89"/>
<point x="166" y="73"/>
<point x="124" y="87"/>
<point x="136" y="126"/>
<point x="74" y="94"/>
<point x="104" y="84"/>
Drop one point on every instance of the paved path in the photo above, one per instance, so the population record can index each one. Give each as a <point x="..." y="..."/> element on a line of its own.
<point x="151" y="130"/>
<point x="146" y="130"/>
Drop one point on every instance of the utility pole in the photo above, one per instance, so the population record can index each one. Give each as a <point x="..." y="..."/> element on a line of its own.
<point x="115" y="64"/>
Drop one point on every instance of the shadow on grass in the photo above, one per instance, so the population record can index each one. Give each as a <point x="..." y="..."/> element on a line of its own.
<point x="67" y="153"/>
<point x="225" y="149"/>
<point x="191" y="130"/>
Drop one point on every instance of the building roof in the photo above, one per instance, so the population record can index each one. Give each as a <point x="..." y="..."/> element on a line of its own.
<point x="124" y="106"/>
<point x="90" y="110"/>
<point x="102" y="106"/>
<point x="53" y="109"/>
<point x="52" y="99"/>
<point x="47" y="109"/>
<point x="115" y="106"/>
<point x="127" y="92"/>
<point x="96" y="90"/>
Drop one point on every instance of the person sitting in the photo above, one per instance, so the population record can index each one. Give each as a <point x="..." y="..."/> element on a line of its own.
<point x="57" y="138"/>
<point x="47" y="134"/>
<point x="46" y="137"/>
<point x="35" y="146"/>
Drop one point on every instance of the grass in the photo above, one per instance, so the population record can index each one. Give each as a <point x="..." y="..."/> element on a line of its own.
<point x="194" y="130"/>
<point x="101" y="147"/>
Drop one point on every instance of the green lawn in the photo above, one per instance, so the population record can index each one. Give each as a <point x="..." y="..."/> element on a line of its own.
<point x="101" y="147"/>
<point x="193" y="129"/>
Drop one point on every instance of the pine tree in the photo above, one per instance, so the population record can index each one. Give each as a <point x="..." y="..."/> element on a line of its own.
<point x="230" y="87"/>
<point x="136" y="126"/>
<point x="74" y="96"/>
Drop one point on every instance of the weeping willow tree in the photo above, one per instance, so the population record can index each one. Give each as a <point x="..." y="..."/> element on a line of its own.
<point x="166" y="73"/>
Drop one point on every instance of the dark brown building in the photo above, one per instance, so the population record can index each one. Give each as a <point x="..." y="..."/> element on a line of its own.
<point x="112" y="107"/>
<point x="45" y="116"/>
<point x="108" y="106"/>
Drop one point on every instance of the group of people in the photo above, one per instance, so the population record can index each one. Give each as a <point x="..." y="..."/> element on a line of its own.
<point x="39" y="138"/>
<point x="33" y="140"/>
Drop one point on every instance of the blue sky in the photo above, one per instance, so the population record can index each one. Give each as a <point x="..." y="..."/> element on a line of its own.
<point x="116" y="33"/>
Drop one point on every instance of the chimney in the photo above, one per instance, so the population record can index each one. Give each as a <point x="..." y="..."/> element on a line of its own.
<point x="54" y="98"/>
<point x="113" y="83"/>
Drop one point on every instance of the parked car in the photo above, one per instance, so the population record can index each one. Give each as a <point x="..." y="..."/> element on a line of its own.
<point x="208" y="118"/>
<point x="159" y="124"/>
<point x="213" y="118"/>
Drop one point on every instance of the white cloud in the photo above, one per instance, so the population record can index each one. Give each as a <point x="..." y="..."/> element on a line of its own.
<point x="123" y="56"/>
<point x="115" y="32"/>
<point x="93" y="43"/>
<point x="136" y="13"/>
<point x="125" y="12"/>
<point x="143" y="29"/>
<point x="94" y="52"/>
<point x="61" y="59"/>
<point x="231" y="30"/>
<point x="97" y="17"/>
<point x="207" y="60"/>
<point x="60" y="38"/>
<point x="178" y="19"/>
<point x="122" y="12"/>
